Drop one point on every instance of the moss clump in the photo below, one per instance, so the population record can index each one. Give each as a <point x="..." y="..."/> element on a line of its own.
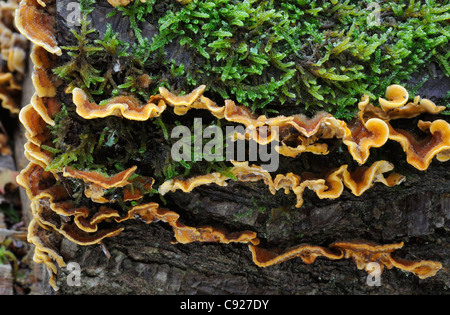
<point x="317" y="55"/>
<point x="112" y="144"/>
<point x="310" y="53"/>
<point x="93" y="62"/>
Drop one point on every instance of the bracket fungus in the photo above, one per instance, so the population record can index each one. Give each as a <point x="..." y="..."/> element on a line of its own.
<point x="420" y="152"/>
<point x="122" y="106"/>
<point x="117" y="180"/>
<point x="330" y="187"/>
<point x="396" y="96"/>
<point x="35" y="22"/>
<point x="363" y="253"/>
<point x="13" y="52"/>
<point x="115" y="3"/>
<point x="37" y="135"/>
<point x="84" y="205"/>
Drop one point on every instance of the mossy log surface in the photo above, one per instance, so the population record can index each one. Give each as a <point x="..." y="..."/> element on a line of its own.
<point x="142" y="259"/>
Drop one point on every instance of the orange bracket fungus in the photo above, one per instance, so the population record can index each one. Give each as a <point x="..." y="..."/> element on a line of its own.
<point x="76" y="203"/>
<point x="43" y="79"/>
<point x="37" y="135"/>
<point x="13" y="51"/>
<point x="35" y="22"/>
<point x="364" y="253"/>
<point x="122" y="106"/>
<point x="361" y="252"/>
<point x="420" y="152"/>
<point x="117" y="180"/>
<point x="330" y="187"/>
<point x="396" y="96"/>
<point x="115" y="3"/>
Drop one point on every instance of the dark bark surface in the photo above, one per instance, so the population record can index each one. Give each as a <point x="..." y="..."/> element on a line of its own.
<point x="143" y="260"/>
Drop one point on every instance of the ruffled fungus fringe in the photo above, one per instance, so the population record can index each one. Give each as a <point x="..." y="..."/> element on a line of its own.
<point x="361" y="252"/>
<point x="13" y="51"/>
<point x="36" y="24"/>
<point x="52" y="209"/>
<point x="370" y="129"/>
<point x="330" y="187"/>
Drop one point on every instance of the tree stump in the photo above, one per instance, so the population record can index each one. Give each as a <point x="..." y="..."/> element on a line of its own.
<point x="143" y="259"/>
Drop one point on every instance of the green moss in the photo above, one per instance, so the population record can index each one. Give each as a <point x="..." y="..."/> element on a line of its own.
<point x="92" y="61"/>
<point x="316" y="55"/>
<point x="112" y="144"/>
<point x="309" y="55"/>
<point x="79" y="71"/>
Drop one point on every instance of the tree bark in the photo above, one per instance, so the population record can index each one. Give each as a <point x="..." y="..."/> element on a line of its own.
<point x="143" y="259"/>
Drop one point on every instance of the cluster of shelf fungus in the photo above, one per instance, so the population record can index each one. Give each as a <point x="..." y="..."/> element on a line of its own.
<point x="56" y="214"/>
<point x="13" y="52"/>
